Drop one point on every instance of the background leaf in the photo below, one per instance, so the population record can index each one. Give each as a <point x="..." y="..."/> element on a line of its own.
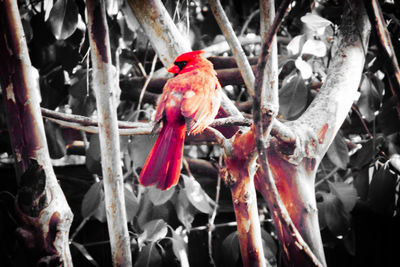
<point x="346" y="193"/>
<point x="196" y="195"/>
<point x="63" y="19"/>
<point x="131" y="203"/>
<point x="333" y="213"/>
<point x="338" y="152"/>
<point x="180" y="249"/>
<point x="315" y="22"/>
<point x="381" y="194"/>
<point x="231" y="249"/>
<point x="293" y="98"/>
<point x="159" y="197"/>
<point x="92" y="199"/>
<point x="153" y="231"/>
<point x="85" y="253"/>
<point x="149" y="256"/>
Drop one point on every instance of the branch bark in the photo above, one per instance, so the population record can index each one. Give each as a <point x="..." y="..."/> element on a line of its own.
<point x="238" y="53"/>
<point x="45" y="219"/>
<point x="293" y="161"/>
<point x="161" y="30"/>
<point x="105" y="85"/>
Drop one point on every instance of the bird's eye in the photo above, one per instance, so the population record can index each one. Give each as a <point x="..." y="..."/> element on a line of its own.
<point x="180" y="64"/>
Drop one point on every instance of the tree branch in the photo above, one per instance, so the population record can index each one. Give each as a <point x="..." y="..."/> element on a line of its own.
<point x="238" y="53"/>
<point x="161" y="30"/>
<point x="104" y="85"/>
<point x="265" y="109"/>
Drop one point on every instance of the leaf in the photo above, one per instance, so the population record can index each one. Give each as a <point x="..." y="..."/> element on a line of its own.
<point x="47" y="6"/>
<point x="361" y="183"/>
<point x="230" y="249"/>
<point x="92" y="199"/>
<point x="315" y="22"/>
<point x="293" y="98"/>
<point x="139" y="148"/>
<point x="180" y="249"/>
<point x="314" y="47"/>
<point x="63" y="19"/>
<point x="153" y="231"/>
<point x="112" y="7"/>
<point x="381" y="194"/>
<point x="370" y="99"/>
<point x="295" y="45"/>
<point x="196" y="195"/>
<point x="93" y="155"/>
<point x="149" y="256"/>
<point x="333" y="213"/>
<point x="387" y="115"/>
<point x="55" y="140"/>
<point x="131" y="203"/>
<point x="304" y="68"/>
<point x="159" y="197"/>
<point x="365" y="155"/>
<point x="85" y="253"/>
<point x="346" y="193"/>
<point x="338" y="152"/>
<point x="270" y="247"/>
<point x="184" y="209"/>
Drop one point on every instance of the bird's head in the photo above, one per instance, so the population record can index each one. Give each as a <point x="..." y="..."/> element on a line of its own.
<point x="186" y="61"/>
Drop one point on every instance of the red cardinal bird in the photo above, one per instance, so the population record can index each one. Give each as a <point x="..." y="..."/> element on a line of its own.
<point x="190" y="101"/>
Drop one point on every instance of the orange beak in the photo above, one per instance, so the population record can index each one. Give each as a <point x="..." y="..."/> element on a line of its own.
<point x="173" y="69"/>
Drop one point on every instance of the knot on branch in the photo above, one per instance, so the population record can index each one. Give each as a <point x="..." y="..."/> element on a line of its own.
<point x="37" y="230"/>
<point x="31" y="196"/>
<point x="305" y="144"/>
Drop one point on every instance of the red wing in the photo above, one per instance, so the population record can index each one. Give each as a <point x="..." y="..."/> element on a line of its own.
<point x="201" y="101"/>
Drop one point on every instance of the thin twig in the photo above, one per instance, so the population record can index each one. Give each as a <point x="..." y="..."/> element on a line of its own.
<point x="248" y="20"/>
<point x="355" y="109"/>
<point x="376" y="18"/>
<point x="148" y="78"/>
<point x="329" y="175"/>
<point x="212" y="217"/>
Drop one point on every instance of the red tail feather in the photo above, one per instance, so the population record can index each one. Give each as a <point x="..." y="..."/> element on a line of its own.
<point x="163" y="165"/>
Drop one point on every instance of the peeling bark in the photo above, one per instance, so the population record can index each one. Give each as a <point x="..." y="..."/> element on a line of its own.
<point x="240" y="169"/>
<point x="294" y="159"/>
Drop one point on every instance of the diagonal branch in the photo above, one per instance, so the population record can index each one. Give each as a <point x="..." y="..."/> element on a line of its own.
<point x="376" y="18"/>
<point x="238" y="53"/>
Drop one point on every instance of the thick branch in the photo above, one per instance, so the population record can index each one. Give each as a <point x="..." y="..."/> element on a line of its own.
<point x="104" y="85"/>
<point x="131" y="87"/>
<point x="264" y="112"/>
<point x="44" y="225"/>
<point x="161" y="30"/>
<point x="329" y="108"/>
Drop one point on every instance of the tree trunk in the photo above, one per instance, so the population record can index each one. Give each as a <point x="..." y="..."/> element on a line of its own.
<point x="44" y="217"/>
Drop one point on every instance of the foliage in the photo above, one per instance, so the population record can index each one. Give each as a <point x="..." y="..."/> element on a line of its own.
<point x="357" y="179"/>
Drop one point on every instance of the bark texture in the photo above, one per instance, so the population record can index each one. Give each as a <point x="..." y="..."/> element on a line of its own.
<point x="43" y="215"/>
<point x="105" y="86"/>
